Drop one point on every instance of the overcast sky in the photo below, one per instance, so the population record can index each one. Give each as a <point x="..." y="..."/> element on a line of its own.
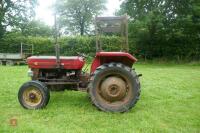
<point x="44" y="13"/>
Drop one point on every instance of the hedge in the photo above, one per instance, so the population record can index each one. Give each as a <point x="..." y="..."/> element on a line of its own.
<point x="68" y="45"/>
<point x="87" y="44"/>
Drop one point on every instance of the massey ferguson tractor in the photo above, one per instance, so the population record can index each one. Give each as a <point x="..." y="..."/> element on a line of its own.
<point x="112" y="83"/>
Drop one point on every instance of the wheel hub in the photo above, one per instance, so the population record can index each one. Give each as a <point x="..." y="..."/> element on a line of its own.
<point x="113" y="89"/>
<point x="32" y="96"/>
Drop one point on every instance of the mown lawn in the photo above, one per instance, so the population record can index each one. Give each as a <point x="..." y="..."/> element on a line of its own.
<point x="170" y="102"/>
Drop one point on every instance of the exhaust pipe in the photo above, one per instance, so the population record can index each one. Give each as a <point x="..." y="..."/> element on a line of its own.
<point x="57" y="46"/>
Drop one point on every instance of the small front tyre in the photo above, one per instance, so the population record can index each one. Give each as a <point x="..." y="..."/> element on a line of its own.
<point x="33" y="95"/>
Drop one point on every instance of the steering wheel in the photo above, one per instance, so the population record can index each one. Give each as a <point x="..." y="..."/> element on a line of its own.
<point x="81" y="54"/>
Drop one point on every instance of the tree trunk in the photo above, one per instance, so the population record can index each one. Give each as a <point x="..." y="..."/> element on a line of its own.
<point x="2" y="30"/>
<point x="82" y="28"/>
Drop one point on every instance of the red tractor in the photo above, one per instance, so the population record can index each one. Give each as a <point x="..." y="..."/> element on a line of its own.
<point x="112" y="84"/>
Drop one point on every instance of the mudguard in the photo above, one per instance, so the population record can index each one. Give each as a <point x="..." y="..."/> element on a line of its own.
<point x="107" y="57"/>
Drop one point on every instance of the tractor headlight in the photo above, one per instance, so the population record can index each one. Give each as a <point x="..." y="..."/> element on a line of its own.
<point x="30" y="73"/>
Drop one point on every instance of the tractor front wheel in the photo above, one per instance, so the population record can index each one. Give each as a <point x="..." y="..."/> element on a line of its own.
<point x="114" y="87"/>
<point x="33" y="95"/>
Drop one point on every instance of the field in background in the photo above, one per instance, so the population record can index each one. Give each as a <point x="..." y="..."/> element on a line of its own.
<point x="170" y="102"/>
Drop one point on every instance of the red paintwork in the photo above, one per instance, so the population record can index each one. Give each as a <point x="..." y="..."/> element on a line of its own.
<point x="107" y="57"/>
<point x="77" y="63"/>
<point x="49" y="62"/>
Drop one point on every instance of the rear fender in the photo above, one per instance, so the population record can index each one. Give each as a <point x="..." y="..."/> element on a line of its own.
<point x="108" y="57"/>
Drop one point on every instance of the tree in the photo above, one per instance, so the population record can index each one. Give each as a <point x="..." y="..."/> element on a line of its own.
<point x="13" y="13"/>
<point x="77" y="15"/>
<point x="36" y="28"/>
<point x="164" y="28"/>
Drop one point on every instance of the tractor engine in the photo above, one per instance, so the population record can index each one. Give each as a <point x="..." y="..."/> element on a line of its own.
<point x="68" y="75"/>
<point x="58" y="74"/>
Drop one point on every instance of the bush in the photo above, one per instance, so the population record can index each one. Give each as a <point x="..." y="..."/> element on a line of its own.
<point x="68" y="45"/>
<point x="11" y="44"/>
<point x="175" y="47"/>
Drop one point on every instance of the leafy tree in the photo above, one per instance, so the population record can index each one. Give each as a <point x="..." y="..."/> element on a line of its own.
<point x="36" y="28"/>
<point x="15" y="13"/>
<point x="164" y="28"/>
<point x="77" y="15"/>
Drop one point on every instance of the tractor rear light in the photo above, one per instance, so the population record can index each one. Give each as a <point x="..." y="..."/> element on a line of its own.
<point x="30" y="73"/>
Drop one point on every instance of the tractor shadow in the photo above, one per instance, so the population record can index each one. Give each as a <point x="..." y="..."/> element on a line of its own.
<point x="80" y="102"/>
<point x="69" y="99"/>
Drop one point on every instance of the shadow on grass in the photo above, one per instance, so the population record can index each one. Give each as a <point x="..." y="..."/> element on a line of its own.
<point x="78" y="101"/>
<point x="70" y="99"/>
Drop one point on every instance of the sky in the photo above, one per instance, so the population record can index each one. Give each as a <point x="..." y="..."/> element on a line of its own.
<point x="44" y="12"/>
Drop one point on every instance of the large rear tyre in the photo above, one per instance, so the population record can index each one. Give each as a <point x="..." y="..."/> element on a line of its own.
<point x="114" y="87"/>
<point x="33" y="95"/>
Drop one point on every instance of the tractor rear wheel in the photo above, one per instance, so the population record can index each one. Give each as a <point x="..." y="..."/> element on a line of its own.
<point x="114" y="87"/>
<point x="33" y="95"/>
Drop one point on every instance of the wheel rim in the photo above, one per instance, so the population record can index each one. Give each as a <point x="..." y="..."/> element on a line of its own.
<point x="114" y="89"/>
<point x="32" y="96"/>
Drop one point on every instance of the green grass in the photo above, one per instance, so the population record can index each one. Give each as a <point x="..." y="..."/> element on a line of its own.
<point x="170" y="102"/>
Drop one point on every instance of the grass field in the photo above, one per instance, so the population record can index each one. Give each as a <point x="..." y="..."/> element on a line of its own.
<point x="170" y="102"/>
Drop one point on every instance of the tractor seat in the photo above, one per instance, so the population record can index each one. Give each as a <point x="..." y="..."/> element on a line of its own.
<point x="49" y="62"/>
